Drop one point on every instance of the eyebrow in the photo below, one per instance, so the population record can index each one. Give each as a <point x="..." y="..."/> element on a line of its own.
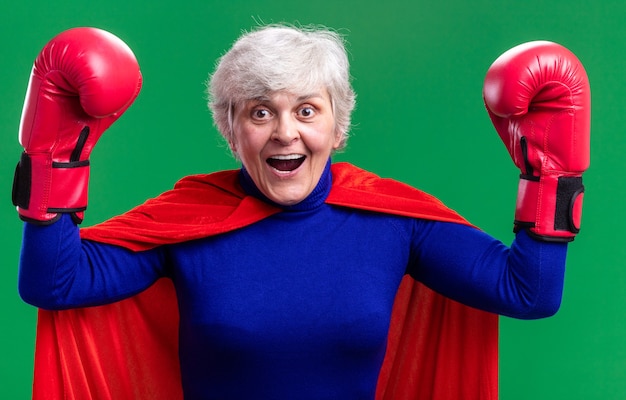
<point x="265" y="98"/>
<point x="309" y="96"/>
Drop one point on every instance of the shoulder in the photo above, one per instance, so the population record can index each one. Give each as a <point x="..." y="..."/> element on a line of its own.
<point x="358" y="188"/>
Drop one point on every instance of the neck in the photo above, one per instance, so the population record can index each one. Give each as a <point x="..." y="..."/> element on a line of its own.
<point x="313" y="200"/>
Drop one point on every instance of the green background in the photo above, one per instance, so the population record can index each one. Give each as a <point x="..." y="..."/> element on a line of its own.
<point x="418" y="68"/>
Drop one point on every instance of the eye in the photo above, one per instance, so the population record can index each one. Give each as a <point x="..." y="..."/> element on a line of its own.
<point x="260" y="114"/>
<point x="306" y="112"/>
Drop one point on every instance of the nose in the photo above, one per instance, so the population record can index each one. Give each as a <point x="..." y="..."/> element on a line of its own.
<point x="286" y="130"/>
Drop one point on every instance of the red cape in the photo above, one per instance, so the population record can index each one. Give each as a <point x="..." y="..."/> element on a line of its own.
<point x="437" y="348"/>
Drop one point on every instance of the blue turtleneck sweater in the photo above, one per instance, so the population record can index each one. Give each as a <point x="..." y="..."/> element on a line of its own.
<point x="297" y="305"/>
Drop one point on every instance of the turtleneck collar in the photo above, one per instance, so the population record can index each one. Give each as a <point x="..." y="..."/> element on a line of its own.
<point x="315" y="199"/>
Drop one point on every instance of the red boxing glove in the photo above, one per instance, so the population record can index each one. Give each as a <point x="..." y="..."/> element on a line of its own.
<point x="81" y="82"/>
<point x="537" y="95"/>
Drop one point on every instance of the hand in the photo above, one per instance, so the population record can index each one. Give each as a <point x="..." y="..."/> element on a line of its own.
<point x="538" y="98"/>
<point x="81" y="82"/>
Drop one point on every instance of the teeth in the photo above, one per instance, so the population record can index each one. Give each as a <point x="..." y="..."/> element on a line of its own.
<point x="286" y="162"/>
<point x="288" y="157"/>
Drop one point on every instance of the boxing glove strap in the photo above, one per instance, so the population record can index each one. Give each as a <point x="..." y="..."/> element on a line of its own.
<point x="550" y="207"/>
<point x="68" y="190"/>
<point x="42" y="187"/>
<point x="570" y="192"/>
<point x="22" y="182"/>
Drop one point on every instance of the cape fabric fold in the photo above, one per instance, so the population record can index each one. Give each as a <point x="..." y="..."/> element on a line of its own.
<point x="437" y="348"/>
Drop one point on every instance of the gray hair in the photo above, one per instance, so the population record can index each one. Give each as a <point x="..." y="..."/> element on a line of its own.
<point x="276" y="58"/>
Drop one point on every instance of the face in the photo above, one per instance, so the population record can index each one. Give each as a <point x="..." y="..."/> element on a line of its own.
<point x="284" y="141"/>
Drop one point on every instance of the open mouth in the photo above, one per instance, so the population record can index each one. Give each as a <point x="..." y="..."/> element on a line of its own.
<point x="287" y="162"/>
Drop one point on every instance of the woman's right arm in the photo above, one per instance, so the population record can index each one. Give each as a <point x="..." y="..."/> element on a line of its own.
<point x="58" y="270"/>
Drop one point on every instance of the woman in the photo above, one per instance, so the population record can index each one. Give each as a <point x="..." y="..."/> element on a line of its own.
<point x="295" y="299"/>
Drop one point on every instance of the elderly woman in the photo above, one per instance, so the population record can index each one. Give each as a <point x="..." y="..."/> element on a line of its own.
<point x="286" y="271"/>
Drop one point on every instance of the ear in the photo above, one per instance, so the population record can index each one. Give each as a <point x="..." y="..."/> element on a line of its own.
<point x="232" y="144"/>
<point x="338" y="139"/>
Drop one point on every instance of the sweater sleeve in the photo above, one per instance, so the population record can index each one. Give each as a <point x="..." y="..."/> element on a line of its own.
<point x="58" y="270"/>
<point x="524" y="280"/>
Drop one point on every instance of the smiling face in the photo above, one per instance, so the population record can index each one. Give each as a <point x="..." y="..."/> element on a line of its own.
<point x="284" y="141"/>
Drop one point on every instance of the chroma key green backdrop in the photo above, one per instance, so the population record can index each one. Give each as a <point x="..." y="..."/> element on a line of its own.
<point x="418" y="69"/>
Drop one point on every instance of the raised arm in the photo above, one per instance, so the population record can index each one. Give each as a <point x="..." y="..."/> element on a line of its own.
<point x="81" y="82"/>
<point x="523" y="280"/>
<point x="58" y="270"/>
<point x="538" y="98"/>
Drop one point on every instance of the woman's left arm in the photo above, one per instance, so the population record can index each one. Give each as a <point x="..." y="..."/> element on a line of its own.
<point x="522" y="281"/>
